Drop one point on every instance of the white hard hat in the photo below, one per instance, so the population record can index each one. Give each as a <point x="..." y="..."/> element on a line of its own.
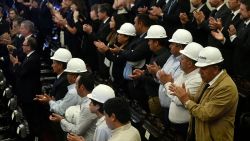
<point x="192" y="50"/>
<point x="156" y="32"/>
<point x="62" y="55"/>
<point x="101" y="93"/>
<point x="76" y="65"/>
<point x="181" y="36"/>
<point x="209" y="56"/>
<point x="127" y="29"/>
<point x="72" y="113"/>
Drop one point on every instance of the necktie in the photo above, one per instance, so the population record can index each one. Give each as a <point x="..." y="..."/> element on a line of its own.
<point x="202" y="92"/>
<point x="213" y="13"/>
<point x="192" y="136"/>
<point x="171" y="5"/>
<point x="231" y="16"/>
<point x="25" y="59"/>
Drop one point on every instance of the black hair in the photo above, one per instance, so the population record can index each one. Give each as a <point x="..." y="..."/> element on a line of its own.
<point x="32" y="43"/>
<point x="203" y="1"/>
<point x="144" y="18"/>
<point x="105" y="8"/>
<point x="247" y="3"/>
<point x="86" y="79"/>
<point x="98" y="103"/>
<point x="120" y="19"/>
<point x="119" y="107"/>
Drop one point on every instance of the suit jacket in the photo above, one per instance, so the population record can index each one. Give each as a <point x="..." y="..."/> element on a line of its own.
<point x="102" y="32"/>
<point x="198" y="34"/>
<point x="170" y="19"/>
<point x="137" y="50"/>
<point x="150" y="85"/>
<point x="59" y="88"/>
<point x="28" y="78"/>
<point x="215" y="113"/>
<point x="227" y="50"/>
<point x="242" y="51"/>
<point x="223" y="14"/>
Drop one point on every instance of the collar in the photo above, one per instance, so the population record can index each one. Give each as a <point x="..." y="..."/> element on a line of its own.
<point x="106" y="20"/>
<point x="141" y="36"/>
<point x="85" y="99"/>
<point x="71" y="86"/>
<point x="100" y="121"/>
<point x="58" y="76"/>
<point x="215" y="78"/>
<point x="177" y="58"/>
<point x="199" y="8"/>
<point x="27" y="37"/>
<point x="219" y="7"/>
<point x="122" y="128"/>
<point x="236" y="12"/>
<point x="247" y="22"/>
<point x="28" y="55"/>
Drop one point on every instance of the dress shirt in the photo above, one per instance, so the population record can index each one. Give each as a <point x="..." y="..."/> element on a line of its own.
<point x="85" y="123"/>
<point x="177" y="112"/>
<point x="172" y="66"/>
<point x="71" y="98"/>
<point x="102" y="132"/>
<point x="125" y="133"/>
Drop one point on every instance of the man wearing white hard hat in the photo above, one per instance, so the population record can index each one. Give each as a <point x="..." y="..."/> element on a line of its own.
<point x="171" y="69"/>
<point x="99" y="95"/>
<point x="178" y="115"/>
<point x="75" y="67"/>
<point x="156" y="37"/>
<point x="79" y="121"/>
<point x="213" y="108"/>
<point x="60" y="60"/>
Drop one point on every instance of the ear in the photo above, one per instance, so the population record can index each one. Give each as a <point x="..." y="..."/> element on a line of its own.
<point x="97" y="106"/>
<point x="113" y="117"/>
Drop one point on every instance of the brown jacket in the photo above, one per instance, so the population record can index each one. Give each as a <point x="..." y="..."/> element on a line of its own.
<point x="215" y="114"/>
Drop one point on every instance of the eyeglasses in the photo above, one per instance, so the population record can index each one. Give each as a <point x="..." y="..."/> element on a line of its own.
<point x="25" y="45"/>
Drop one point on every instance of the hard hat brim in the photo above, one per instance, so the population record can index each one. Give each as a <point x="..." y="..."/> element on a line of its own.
<point x="150" y="37"/>
<point x="185" y="53"/>
<point x="91" y="97"/>
<point x="53" y="58"/>
<point x="198" y="64"/>
<point x="75" y="71"/>
<point x="120" y="32"/>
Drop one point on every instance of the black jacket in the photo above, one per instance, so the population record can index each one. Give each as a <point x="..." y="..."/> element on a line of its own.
<point x="60" y="88"/>
<point x="28" y="78"/>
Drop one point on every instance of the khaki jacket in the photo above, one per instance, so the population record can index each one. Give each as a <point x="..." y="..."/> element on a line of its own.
<point x="215" y="115"/>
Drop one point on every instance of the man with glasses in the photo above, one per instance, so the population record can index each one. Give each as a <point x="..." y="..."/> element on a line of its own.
<point x="28" y="83"/>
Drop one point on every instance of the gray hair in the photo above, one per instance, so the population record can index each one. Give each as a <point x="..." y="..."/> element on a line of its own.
<point x="29" y="25"/>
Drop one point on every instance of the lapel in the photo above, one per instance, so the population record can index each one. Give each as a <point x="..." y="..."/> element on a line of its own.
<point x="221" y="11"/>
<point x="210" y="88"/>
<point x="59" y="80"/>
<point x="103" y="25"/>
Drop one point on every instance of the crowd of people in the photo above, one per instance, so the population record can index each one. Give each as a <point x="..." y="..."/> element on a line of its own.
<point x="176" y="58"/>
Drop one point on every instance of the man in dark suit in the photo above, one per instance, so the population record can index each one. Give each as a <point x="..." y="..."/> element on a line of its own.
<point x="104" y="13"/>
<point x="60" y="59"/>
<point x="28" y="83"/>
<point x="137" y="56"/>
<point x="240" y="39"/>
<point x="169" y="15"/>
<point x="228" y="48"/>
<point x="219" y="14"/>
<point x="189" y="21"/>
